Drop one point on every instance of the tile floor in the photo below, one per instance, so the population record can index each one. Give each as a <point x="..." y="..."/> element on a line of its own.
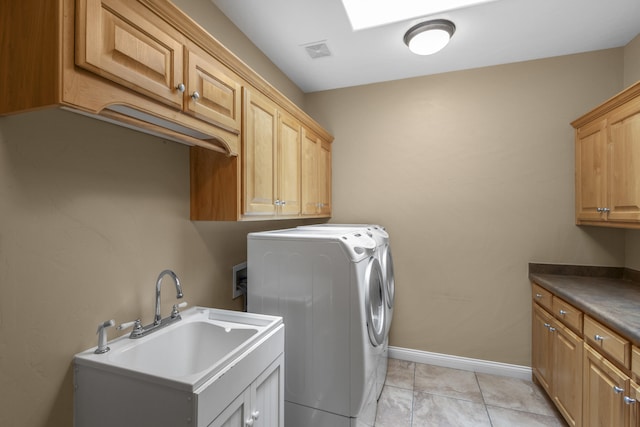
<point x="417" y="395"/>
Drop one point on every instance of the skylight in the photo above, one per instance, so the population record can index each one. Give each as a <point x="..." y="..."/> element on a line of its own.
<point x="373" y="13"/>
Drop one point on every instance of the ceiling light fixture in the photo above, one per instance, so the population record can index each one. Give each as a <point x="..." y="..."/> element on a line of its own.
<point x="429" y="37"/>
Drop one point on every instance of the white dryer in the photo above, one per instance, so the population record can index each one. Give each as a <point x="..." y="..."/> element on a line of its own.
<point x="328" y="287"/>
<point x="383" y="254"/>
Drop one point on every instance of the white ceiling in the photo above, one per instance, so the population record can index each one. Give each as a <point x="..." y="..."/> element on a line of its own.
<point x="498" y="32"/>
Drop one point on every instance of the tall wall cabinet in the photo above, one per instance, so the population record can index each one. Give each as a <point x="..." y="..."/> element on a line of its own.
<point x="146" y="65"/>
<point x="608" y="162"/>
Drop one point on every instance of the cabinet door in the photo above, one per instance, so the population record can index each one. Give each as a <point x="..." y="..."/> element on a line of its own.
<point x="567" y="374"/>
<point x="603" y="392"/>
<point x="316" y="175"/>
<point x="591" y="151"/>
<point x="542" y="347"/>
<point x="624" y="163"/>
<point x="632" y="402"/>
<point x="213" y="92"/>
<point x="236" y="414"/>
<point x="123" y="42"/>
<point x="309" y="174"/>
<point x="267" y="408"/>
<point x="324" y="178"/>
<point x="288" y="166"/>
<point x="259" y="154"/>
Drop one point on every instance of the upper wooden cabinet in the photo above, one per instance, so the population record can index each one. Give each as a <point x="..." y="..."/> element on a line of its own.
<point x="121" y="61"/>
<point x="284" y="168"/>
<point x="146" y="65"/>
<point x="316" y="175"/>
<point x="608" y="162"/>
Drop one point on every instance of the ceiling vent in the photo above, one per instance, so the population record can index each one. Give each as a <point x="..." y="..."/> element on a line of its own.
<point x="317" y="49"/>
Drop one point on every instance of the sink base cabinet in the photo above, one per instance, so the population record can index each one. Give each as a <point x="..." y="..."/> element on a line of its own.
<point x="249" y="391"/>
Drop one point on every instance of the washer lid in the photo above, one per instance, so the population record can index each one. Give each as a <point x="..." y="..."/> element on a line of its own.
<point x="375" y="302"/>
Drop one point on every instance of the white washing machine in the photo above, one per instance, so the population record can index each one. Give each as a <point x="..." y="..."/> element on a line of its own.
<point x="328" y="287"/>
<point x="383" y="254"/>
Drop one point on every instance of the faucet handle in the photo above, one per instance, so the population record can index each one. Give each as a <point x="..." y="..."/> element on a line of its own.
<point x="174" y="310"/>
<point x="102" y="336"/>
<point x="137" y="326"/>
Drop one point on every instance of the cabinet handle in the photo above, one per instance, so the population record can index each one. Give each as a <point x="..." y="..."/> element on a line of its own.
<point x="628" y="400"/>
<point x="255" y="415"/>
<point x="539" y="296"/>
<point x="195" y="96"/>
<point x="181" y="87"/>
<point x="598" y="337"/>
<point x="563" y="312"/>
<point x="617" y="390"/>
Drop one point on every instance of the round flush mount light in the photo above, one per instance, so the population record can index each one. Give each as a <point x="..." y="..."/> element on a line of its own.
<point x="429" y="37"/>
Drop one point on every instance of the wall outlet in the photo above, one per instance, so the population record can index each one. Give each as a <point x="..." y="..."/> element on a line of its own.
<point x="239" y="283"/>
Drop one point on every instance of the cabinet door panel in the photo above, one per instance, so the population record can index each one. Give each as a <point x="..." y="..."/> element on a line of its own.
<point x="324" y="178"/>
<point x="309" y="174"/>
<point x="624" y="164"/>
<point x="602" y="406"/>
<point x="542" y="349"/>
<point x="258" y="152"/>
<point x="590" y="171"/>
<point x="567" y="374"/>
<point x="219" y="91"/>
<point x="289" y="132"/>
<point x="267" y="401"/>
<point x="634" y="410"/>
<point x="235" y="414"/>
<point x="115" y="41"/>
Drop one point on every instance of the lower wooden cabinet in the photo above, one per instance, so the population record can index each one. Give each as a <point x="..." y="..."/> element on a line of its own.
<point x="557" y="364"/>
<point x="590" y="372"/>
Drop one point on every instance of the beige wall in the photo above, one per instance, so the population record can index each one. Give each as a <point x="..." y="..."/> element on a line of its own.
<point x="472" y="174"/>
<point x="632" y="62"/>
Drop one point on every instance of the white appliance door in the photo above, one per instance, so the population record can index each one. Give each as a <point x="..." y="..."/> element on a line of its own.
<point x="375" y="302"/>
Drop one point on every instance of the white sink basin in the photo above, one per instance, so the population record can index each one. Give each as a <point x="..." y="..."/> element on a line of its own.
<point x="188" y="352"/>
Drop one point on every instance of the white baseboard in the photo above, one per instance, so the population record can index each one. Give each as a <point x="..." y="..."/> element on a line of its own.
<point x="463" y="363"/>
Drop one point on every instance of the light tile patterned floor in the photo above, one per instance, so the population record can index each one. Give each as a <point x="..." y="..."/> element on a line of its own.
<point x="417" y="395"/>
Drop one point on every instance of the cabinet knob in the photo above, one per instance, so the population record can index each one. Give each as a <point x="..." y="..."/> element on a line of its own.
<point x="538" y="296"/>
<point x="195" y="96"/>
<point x="617" y="390"/>
<point x="552" y="329"/>
<point x="181" y="87"/>
<point x="598" y="337"/>
<point x="563" y="312"/>
<point x="547" y="325"/>
<point x="255" y="415"/>
<point x="628" y="400"/>
<point x="249" y="422"/>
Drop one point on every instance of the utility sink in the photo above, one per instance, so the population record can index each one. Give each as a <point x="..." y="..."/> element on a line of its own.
<point x="187" y="353"/>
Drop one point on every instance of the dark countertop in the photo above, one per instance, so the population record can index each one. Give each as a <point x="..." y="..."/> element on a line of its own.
<point x="609" y="295"/>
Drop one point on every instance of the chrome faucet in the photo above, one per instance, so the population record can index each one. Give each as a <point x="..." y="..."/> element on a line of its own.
<point x="158" y="318"/>
<point x="158" y="322"/>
